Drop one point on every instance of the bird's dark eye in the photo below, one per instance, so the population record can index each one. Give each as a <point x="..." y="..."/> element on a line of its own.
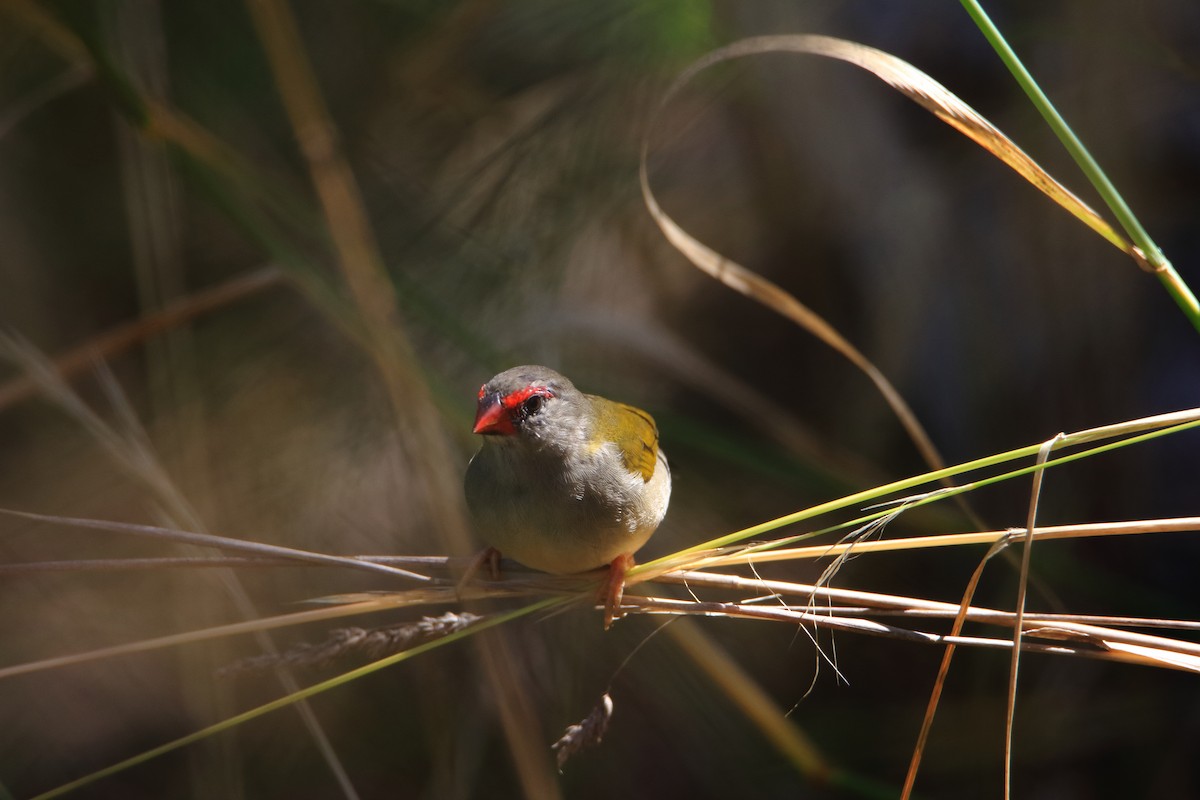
<point x="532" y="405"/>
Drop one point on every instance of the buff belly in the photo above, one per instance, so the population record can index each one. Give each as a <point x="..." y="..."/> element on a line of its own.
<point x="556" y="520"/>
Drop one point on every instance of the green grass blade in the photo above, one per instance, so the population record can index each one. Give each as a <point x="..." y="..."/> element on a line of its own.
<point x="287" y="700"/>
<point x="1137" y="427"/>
<point x="1156" y="262"/>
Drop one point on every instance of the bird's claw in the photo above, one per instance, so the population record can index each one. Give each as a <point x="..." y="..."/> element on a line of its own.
<point x="488" y="557"/>
<point x="614" y="588"/>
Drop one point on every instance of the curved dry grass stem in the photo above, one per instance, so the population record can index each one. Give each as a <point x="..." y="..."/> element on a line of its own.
<point x="754" y="286"/>
<point x="749" y="283"/>
<point x="930" y="95"/>
<point x="920" y="88"/>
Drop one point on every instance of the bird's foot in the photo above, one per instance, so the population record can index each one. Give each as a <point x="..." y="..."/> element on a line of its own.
<point x="488" y="557"/>
<point x="614" y="588"/>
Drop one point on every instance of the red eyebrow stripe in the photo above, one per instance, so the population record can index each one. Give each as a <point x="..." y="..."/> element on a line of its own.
<point x="521" y="395"/>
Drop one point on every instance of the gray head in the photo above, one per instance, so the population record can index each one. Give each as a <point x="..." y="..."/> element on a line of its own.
<point x="528" y="403"/>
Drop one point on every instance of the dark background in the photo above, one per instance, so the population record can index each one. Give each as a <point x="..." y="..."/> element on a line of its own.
<point x="495" y="145"/>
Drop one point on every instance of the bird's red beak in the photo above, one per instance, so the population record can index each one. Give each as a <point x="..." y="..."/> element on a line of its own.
<point x="492" y="418"/>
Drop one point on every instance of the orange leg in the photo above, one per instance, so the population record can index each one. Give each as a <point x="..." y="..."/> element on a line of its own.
<point x="488" y="557"/>
<point x="614" y="590"/>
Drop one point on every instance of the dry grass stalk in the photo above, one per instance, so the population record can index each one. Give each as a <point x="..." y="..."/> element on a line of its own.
<point x="122" y="337"/>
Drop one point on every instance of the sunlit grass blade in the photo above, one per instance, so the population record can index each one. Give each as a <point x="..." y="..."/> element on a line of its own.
<point x="1157" y="655"/>
<point x="1132" y="432"/>
<point x="926" y="92"/>
<point x="762" y="555"/>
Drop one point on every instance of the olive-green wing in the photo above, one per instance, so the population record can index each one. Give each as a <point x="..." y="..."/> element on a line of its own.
<point x="637" y="437"/>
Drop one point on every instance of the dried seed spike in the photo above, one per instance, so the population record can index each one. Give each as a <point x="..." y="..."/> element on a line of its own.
<point x="375" y="642"/>
<point x="585" y="734"/>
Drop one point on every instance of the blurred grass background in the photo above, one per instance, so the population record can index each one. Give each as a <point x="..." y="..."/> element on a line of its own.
<point x="495" y="147"/>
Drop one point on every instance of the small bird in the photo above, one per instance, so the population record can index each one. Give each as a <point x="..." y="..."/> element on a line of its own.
<point x="565" y="482"/>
